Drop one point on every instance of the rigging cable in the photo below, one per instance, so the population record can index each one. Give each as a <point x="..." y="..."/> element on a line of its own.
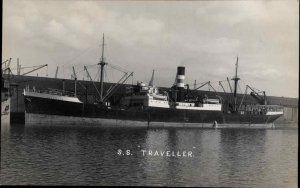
<point x="118" y="68"/>
<point x="240" y="88"/>
<point x="132" y="80"/>
<point x="105" y="74"/>
<point x="79" y="54"/>
<point x="97" y="75"/>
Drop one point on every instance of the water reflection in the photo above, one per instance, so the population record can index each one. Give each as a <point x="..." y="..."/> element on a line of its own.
<point x="184" y="171"/>
<point x="242" y="156"/>
<point x="89" y="156"/>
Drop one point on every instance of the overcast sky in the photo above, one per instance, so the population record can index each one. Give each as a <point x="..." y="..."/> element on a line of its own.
<point x="204" y="36"/>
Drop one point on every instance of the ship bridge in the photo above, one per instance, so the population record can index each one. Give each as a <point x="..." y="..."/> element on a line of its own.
<point x="145" y="96"/>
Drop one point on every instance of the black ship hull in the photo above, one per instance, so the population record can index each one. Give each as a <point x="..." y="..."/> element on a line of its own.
<point x="54" y="112"/>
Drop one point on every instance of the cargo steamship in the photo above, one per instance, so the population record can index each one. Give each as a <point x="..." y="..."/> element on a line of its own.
<point x="144" y="106"/>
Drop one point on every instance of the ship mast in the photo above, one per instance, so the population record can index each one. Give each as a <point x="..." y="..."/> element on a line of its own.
<point x="152" y="78"/>
<point x="236" y="79"/>
<point x="102" y="64"/>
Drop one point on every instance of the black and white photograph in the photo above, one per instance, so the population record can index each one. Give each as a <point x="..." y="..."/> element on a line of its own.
<point x="156" y="93"/>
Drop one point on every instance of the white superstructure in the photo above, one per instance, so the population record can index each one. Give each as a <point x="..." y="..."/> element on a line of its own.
<point x="193" y="106"/>
<point x="148" y="96"/>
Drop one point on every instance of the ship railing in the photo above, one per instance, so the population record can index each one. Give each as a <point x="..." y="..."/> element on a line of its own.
<point x="260" y="109"/>
<point x="53" y="92"/>
<point x="61" y="92"/>
<point x="64" y="93"/>
<point x="273" y="108"/>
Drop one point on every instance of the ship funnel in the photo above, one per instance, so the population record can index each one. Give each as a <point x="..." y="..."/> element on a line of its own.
<point x="180" y="77"/>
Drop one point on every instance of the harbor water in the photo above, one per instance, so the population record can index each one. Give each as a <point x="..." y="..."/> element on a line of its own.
<point x="79" y="155"/>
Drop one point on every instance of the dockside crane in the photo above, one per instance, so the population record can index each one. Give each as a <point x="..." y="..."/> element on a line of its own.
<point x="56" y="72"/>
<point x="6" y="69"/>
<point x="4" y="62"/>
<point x="75" y="78"/>
<point x="8" y="63"/>
<point x="152" y="79"/>
<point x="35" y="68"/>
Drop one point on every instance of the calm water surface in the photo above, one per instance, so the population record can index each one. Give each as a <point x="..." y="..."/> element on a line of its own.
<point x="64" y="155"/>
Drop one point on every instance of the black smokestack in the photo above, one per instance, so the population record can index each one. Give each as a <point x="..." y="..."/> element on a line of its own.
<point x="180" y="77"/>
